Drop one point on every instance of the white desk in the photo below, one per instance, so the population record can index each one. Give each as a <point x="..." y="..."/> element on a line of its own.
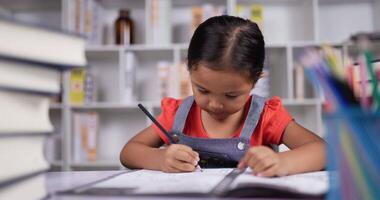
<point x="60" y="181"/>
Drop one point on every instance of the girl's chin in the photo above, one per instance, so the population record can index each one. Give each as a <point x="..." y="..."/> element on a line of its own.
<point x="218" y="116"/>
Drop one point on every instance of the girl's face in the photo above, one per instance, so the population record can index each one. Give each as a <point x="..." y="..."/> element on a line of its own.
<point x="220" y="93"/>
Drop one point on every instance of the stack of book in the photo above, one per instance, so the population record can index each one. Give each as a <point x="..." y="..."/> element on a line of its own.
<point x="31" y="62"/>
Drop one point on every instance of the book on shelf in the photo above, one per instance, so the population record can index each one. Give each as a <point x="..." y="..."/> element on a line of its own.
<point x="159" y="22"/>
<point x="28" y="43"/>
<point x="163" y="72"/>
<point x="299" y="82"/>
<point x="223" y="182"/>
<point x="184" y="81"/>
<point x="85" y="18"/>
<point x="201" y="13"/>
<point x="254" y="12"/>
<point x="128" y="91"/>
<point x="85" y="134"/>
<point x="83" y="88"/>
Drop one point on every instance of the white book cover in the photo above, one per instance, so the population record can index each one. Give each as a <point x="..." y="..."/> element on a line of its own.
<point x="222" y="181"/>
<point x="21" y="156"/>
<point x="128" y="77"/>
<point x="28" y="76"/>
<point x="31" y="188"/>
<point x="24" y="113"/>
<point x="27" y="42"/>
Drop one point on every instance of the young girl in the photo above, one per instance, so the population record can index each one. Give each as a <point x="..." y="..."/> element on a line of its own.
<point x="222" y="124"/>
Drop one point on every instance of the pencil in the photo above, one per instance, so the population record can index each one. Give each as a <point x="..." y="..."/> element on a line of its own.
<point x="172" y="138"/>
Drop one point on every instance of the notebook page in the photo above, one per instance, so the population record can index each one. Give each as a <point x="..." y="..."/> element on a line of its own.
<point x="314" y="183"/>
<point x="149" y="181"/>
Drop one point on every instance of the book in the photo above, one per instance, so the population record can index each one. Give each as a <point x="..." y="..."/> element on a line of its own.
<point x="29" y="76"/>
<point x="31" y="188"/>
<point x="128" y="78"/>
<point x="299" y="82"/>
<point x="223" y="182"/>
<point x="23" y="113"/>
<point x="257" y="15"/>
<point x="184" y="81"/>
<point x="85" y="19"/>
<point x="28" y="43"/>
<point x="76" y="82"/>
<point x="253" y="12"/>
<point x="21" y="156"/>
<point x="159" y="20"/>
<point x="163" y="72"/>
<point x="85" y="131"/>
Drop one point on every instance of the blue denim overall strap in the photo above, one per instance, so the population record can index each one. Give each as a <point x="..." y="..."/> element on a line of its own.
<point x="228" y="148"/>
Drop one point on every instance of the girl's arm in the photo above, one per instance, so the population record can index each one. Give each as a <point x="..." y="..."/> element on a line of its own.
<point x="308" y="150"/>
<point x="142" y="151"/>
<point x="307" y="154"/>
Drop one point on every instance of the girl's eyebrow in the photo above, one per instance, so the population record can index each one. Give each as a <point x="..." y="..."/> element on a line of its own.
<point x="237" y="92"/>
<point x="196" y="84"/>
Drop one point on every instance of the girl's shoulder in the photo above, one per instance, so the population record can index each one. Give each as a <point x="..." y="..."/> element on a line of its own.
<point x="274" y="106"/>
<point x="273" y="102"/>
<point x="170" y="104"/>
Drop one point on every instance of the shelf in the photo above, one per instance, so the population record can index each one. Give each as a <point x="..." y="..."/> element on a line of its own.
<point x="56" y="163"/>
<point x="301" y="102"/>
<point x="55" y="106"/>
<point x="31" y="5"/>
<point x="104" y="48"/>
<point x="100" y="163"/>
<point x="184" y="46"/>
<point x="107" y="105"/>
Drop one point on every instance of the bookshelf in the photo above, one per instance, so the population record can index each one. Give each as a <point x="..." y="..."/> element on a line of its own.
<point x="289" y="25"/>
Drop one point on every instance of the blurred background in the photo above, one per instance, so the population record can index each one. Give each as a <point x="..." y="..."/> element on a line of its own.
<point x="136" y="52"/>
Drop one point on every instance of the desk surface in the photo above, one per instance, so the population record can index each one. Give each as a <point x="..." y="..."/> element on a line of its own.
<point x="60" y="181"/>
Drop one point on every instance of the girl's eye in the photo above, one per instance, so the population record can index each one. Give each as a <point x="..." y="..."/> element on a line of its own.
<point x="202" y="91"/>
<point x="231" y="96"/>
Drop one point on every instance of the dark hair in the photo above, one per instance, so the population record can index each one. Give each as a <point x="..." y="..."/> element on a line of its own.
<point x="227" y="41"/>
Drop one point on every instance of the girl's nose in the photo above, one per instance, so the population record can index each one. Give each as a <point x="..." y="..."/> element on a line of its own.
<point x="215" y="105"/>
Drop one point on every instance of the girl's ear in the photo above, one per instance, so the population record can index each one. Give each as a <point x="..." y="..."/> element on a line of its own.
<point x="261" y="75"/>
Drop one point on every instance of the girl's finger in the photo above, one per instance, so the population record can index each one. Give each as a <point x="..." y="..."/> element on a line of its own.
<point x="189" y="150"/>
<point x="263" y="164"/>
<point x="183" y="166"/>
<point x="270" y="172"/>
<point x="185" y="157"/>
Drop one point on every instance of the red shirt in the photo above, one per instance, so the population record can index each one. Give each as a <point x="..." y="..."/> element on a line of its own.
<point x="269" y="130"/>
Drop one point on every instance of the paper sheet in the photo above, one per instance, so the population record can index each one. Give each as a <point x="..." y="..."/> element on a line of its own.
<point x="314" y="183"/>
<point x="148" y="181"/>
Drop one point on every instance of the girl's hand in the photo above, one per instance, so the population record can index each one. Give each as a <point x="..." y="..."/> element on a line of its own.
<point x="179" y="158"/>
<point x="263" y="161"/>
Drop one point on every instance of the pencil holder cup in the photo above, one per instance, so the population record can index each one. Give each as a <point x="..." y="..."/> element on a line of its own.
<point x="353" y="154"/>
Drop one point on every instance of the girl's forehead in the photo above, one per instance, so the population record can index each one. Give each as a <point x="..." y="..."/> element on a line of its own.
<point x="229" y="79"/>
<point x="209" y="69"/>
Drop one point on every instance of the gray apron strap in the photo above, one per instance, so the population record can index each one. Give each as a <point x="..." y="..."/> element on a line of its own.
<point x="181" y="115"/>
<point x="253" y="116"/>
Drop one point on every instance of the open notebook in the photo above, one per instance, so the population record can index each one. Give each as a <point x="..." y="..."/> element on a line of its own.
<point x="209" y="182"/>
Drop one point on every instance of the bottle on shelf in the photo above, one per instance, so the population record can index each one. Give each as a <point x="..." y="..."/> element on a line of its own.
<point x="124" y="28"/>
